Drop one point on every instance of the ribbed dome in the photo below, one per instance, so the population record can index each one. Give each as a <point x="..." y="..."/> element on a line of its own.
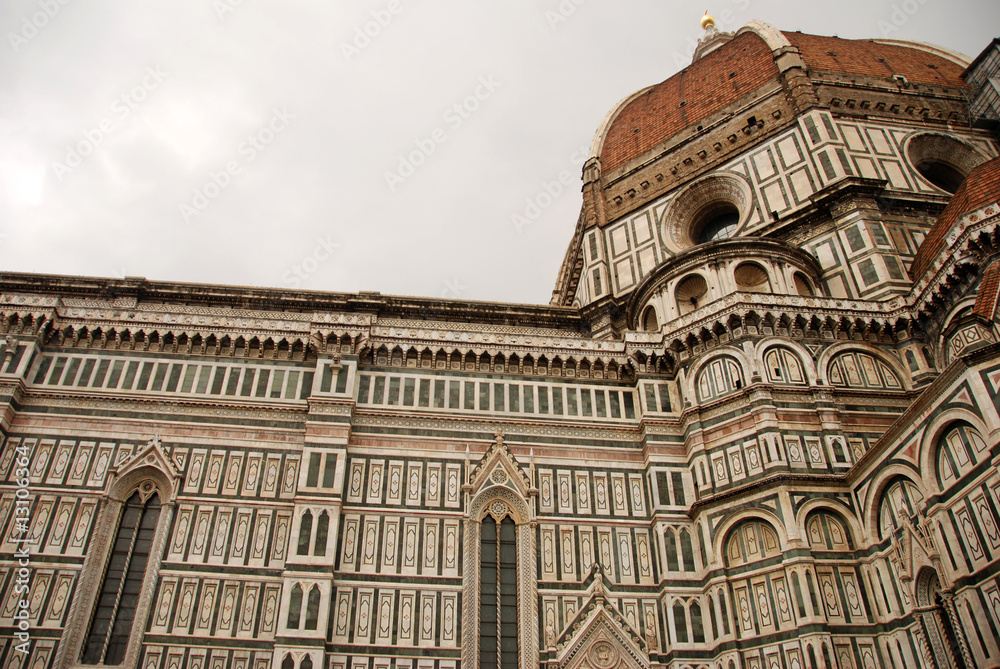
<point x="745" y="64"/>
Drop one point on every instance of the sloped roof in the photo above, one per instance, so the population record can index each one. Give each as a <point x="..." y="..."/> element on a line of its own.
<point x="868" y="58"/>
<point x="980" y="188"/>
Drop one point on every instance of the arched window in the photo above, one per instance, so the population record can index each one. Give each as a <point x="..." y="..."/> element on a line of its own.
<point x="687" y="553"/>
<point x="751" y="541"/>
<point x="697" y="626"/>
<point x="724" y="610"/>
<point x="783" y="367"/>
<point x="812" y="658"/>
<point x="670" y="543"/>
<point x="322" y="531"/>
<point x="294" y="608"/>
<point x="305" y="532"/>
<point x="799" y="601"/>
<point x="826" y="532"/>
<point x="854" y="369"/>
<point x="307" y="663"/>
<point x="960" y="448"/>
<point x="899" y="500"/>
<point x="719" y="377"/>
<point x="111" y="625"/>
<point x="288" y="662"/>
<point x="498" y="628"/>
<point x="680" y="623"/>
<point x="312" y="608"/>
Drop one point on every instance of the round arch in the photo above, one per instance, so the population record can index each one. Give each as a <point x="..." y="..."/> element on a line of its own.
<point x="878" y="487"/>
<point x="745" y="363"/>
<point x="929" y="442"/>
<point x="823" y="362"/>
<point x="836" y="507"/>
<point x="805" y="355"/>
<point x="726" y="527"/>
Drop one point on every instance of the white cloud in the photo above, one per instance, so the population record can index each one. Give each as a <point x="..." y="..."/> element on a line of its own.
<point x="448" y="225"/>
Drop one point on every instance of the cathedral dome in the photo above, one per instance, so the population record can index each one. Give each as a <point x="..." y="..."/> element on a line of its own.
<point x="749" y="62"/>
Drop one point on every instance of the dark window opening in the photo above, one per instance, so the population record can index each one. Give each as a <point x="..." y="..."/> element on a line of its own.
<point x="941" y="174"/>
<point x="717" y="222"/>
<point x="111" y="625"/>
<point x="498" y="629"/>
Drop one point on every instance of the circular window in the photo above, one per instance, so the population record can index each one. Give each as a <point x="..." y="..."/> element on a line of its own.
<point x="942" y="160"/>
<point x="717" y="221"/>
<point x="752" y="278"/>
<point x="713" y="208"/>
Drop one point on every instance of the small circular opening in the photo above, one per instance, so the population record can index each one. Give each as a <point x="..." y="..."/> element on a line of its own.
<point x="717" y="221"/>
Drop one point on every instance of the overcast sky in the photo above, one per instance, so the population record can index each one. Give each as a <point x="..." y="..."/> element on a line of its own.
<point x="259" y="142"/>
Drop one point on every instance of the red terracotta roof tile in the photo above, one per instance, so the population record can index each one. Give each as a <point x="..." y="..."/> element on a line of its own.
<point x="871" y="59"/>
<point x="986" y="297"/>
<point x="706" y="86"/>
<point x="980" y="188"/>
<point x="743" y="65"/>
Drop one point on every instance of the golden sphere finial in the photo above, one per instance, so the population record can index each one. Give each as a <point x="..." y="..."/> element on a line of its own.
<point x="707" y="21"/>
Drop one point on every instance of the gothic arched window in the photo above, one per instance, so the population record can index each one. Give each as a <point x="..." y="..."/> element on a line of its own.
<point x="111" y="624"/>
<point x="498" y="628"/>
<point x="322" y="532"/>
